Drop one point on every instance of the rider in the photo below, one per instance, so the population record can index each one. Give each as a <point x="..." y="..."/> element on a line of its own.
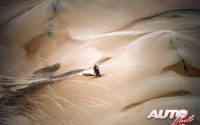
<point x="96" y="70"/>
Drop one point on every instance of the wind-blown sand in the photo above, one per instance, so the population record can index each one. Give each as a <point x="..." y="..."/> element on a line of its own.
<point x="147" y="51"/>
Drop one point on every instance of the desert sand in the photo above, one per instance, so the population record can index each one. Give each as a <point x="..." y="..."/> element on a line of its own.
<point x="147" y="51"/>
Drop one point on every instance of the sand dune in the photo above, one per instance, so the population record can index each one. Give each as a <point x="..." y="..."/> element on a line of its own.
<point x="147" y="51"/>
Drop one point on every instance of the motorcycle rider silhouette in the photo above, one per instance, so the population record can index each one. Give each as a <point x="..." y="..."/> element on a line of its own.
<point x="96" y="71"/>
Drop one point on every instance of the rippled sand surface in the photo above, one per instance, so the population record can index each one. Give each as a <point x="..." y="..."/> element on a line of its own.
<point x="147" y="51"/>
